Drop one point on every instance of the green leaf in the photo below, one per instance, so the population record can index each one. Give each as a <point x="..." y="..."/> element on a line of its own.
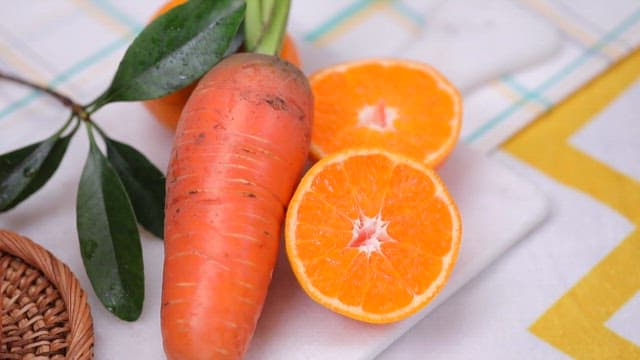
<point x="109" y="239"/>
<point x="174" y="50"/>
<point x="145" y="184"/>
<point x="235" y="43"/>
<point x="25" y="170"/>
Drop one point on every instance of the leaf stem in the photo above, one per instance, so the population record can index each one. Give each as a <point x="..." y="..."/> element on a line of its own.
<point x="252" y="24"/>
<point x="77" y="109"/>
<point x="267" y="10"/>
<point x="92" y="140"/>
<point x="265" y="25"/>
<point x="66" y="125"/>
<point x="97" y="103"/>
<point x="75" y="127"/>
<point x="102" y="133"/>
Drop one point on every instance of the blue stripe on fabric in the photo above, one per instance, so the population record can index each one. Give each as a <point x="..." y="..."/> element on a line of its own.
<point x="569" y="68"/>
<point x="336" y="20"/>
<point x="14" y="106"/>
<point x="92" y="59"/>
<point x="67" y="74"/>
<point x="524" y="92"/>
<point x="408" y="12"/>
<point x="118" y="15"/>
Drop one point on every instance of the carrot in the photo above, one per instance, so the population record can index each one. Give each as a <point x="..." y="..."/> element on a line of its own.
<point x="240" y="148"/>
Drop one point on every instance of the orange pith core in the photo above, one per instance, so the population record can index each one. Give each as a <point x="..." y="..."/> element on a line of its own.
<point x="369" y="233"/>
<point x="401" y="106"/>
<point x="378" y="117"/>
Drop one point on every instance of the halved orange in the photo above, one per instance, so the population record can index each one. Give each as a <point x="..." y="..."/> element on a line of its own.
<point x="372" y="235"/>
<point x="400" y="105"/>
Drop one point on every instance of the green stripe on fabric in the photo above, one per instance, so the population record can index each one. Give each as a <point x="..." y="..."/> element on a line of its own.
<point x="118" y="15"/>
<point x="607" y="38"/>
<point x="408" y="12"/>
<point x="566" y="70"/>
<point x="22" y="102"/>
<point x="524" y="92"/>
<point x="92" y="59"/>
<point x="336" y="20"/>
<point x="68" y="73"/>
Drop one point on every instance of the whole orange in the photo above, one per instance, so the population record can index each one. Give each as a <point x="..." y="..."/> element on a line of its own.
<point x="167" y="109"/>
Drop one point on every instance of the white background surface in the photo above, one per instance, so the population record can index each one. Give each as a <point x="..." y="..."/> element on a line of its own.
<point x="75" y="45"/>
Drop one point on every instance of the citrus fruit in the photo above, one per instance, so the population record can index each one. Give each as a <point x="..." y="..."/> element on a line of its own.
<point x="400" y="105"/>
<point x="167" y="109"/>
<point x="371" y="234"/>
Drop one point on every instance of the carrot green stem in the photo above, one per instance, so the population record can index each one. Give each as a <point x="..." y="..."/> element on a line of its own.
<point x="267" y="10"/>
<point x="252" y="24"/>
<point x="265" y="25"/>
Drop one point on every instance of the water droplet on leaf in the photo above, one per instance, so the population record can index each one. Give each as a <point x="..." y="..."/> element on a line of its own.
<point x="29" y="171"/>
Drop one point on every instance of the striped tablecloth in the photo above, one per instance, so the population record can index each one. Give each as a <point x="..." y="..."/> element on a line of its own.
<point x="568" y="119"/>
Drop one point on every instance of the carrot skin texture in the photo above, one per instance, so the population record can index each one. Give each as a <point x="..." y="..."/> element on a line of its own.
<point x="240" y="148"/>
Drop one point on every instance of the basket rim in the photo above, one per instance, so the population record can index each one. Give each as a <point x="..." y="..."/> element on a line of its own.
<point x="81" y="336"/>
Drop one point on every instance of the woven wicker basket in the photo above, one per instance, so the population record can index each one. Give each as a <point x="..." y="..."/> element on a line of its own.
<point x="45" y="314"/>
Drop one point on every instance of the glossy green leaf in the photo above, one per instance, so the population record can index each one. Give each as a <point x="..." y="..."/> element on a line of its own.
<point x="235" y="43"/>
<point x="174" y="50"/>
<point x="25" y="170"/>
<point x="109" y="238"/>
<point x="145" y="184"/>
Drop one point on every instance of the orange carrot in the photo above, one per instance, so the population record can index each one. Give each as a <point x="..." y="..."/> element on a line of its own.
<point x="240" y="148"/>
<point x="167" y="109"/>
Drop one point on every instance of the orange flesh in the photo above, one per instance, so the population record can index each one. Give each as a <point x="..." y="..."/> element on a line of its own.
<point x="372" y="234"/>
<point x="239" y="150"/>
<point x="402" y="107"/>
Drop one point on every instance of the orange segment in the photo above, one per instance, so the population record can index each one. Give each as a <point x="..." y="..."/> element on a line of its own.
<point x="371" y="234"/>
<point x="402" y="106"/>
